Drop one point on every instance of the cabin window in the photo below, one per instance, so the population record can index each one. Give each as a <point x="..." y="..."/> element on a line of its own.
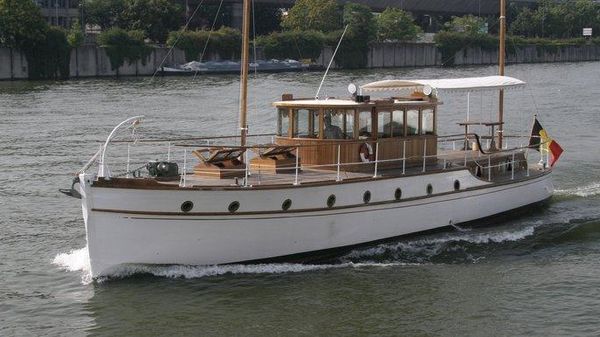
<point x="349" y="124"/>
<point x="398" y="123"/>
<point x="384" y="124"/>
<point x="304" y="123"/>
<point x="333" y="124"/>
<point x="300" y="128"/>
<point x="427" y="126"/>
<point x="283" y="122"/>
<point x="364" y="124"/>
<point x="412" y="122"/>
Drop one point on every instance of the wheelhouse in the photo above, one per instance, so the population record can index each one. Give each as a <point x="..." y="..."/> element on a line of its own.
<point x="359" y="130"/>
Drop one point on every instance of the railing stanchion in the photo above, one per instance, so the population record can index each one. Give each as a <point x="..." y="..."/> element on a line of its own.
<point x="453" y="145"/>
<point x="465" y="157"/>
<point x="376" y="159"/>
<point x="404" y="157"/>
<point x="338" y="164"/>
<point x="247" y="169"/>
<point x="527" y="160"/>
<point x="489" y="168"/>
<point x="128" y="160"/>
<point x="512" y="166"/>
<point x="296" y="177"/>
<point x="424" y="154"/>
<point x="183" y="180"/>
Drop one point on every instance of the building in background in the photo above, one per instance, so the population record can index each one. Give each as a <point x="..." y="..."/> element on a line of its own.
<point x="60" y="12"/>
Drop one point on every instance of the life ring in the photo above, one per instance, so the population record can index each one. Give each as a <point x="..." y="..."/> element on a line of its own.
<point x="366" y="153"/>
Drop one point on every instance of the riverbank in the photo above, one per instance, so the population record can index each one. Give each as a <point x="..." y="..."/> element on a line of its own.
<point x="93" y="61"/>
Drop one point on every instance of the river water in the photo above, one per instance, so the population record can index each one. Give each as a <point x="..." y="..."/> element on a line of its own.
<point x="537" y="274"/>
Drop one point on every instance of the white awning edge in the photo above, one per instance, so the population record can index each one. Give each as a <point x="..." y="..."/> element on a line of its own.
<point x="452" y="84"/>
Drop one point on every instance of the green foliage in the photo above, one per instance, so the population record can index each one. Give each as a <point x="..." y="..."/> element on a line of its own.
<point x="226" y="42"/>
<point x="191" y="42"/>
<point x="468" y="24"/>
<point x="21" y="23"/>
<point x="362" y="28"/>
<point x="122" y="45"/>
<point x="321" y="15"/>
<point x="46" y="48"/>
<point x="396" y="24"/>
<point x="104" y="13"/>
<point x="156" y="18"/>
<point x="49" y="59"/>
<point x="449" y="43"/>
<point x="554" y="19"/>
<point x="75" y="36"/>
<point x="266" y="18"/>
<point x="292" y="44"/>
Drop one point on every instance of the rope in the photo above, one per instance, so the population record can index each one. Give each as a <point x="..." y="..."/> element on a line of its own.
<point x="177" y="39"/>
<point x="209" y="35"/>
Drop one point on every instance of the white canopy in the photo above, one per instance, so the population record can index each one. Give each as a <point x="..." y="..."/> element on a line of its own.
<point x="452" y="84"/>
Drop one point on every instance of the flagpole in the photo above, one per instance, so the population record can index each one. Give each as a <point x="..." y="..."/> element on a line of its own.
<point x="501" y="61"/>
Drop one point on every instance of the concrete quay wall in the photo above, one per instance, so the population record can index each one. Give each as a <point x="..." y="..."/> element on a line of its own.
<point x="92" y="61"/>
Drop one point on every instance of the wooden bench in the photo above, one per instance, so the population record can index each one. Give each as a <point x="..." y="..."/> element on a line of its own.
<point x="276" y="159"/>
<point x="219" y="163"/>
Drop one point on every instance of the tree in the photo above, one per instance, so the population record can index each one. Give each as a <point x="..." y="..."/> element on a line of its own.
<point x="103" y="13"/>
<point x="266" y="18"/>
<point x="75" y="36"/>
<point x="292" y="44"/>
<point x="468" y="24"/>
<point x="21" y="23"/>
<point x="156" y="18"/>
<point x="321" y="15"/>
<point x="122" y="45"/>
<point x="362" y="28"/>
<point x="396" y="24"/>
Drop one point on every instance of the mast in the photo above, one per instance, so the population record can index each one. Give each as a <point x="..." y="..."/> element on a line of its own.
<point x="501" y="60"/>
<point x="244" y="73"/>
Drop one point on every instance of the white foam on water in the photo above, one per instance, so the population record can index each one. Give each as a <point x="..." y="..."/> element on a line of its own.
<point x="75" y="260"/>
<point x="432" y="246"/>
<point x="191" y="272"/>
<point x="582" y="191"/>
<point x="79" y="260"/>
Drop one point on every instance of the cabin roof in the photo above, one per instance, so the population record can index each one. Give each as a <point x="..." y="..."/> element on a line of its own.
<point x="344" y="103"/>
<point x="319" y="103"/>
<point x="451" y="84"/>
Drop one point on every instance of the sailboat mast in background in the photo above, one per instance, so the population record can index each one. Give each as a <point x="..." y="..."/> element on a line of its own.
<point x="501" y="60"/>
<point x="244" y="75"/>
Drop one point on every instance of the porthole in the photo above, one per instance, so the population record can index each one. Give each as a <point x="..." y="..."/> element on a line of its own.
<point x="234" y="206"/>
<point x="187" y="206"/>
<point x="367" y="197"/>
<point x="398" y="194"/>
<point x="331" y="201"/>
<point x="429" y="189"/>
<point x="456" y="185"/>
<point x="286" y="204"/>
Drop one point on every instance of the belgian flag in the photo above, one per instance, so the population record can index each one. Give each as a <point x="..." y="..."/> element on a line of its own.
<point x="540" y="141"/>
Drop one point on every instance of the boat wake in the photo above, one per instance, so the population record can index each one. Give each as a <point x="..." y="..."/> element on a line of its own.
<point x="78" y="260"/>
<point x="582" y="191"/>
<point x="453" y="247"/>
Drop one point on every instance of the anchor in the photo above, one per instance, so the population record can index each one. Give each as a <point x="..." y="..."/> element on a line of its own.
<point x="72" y="192"/>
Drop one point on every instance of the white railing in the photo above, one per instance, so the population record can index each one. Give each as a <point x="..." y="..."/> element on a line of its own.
<point x="450" y="159"/>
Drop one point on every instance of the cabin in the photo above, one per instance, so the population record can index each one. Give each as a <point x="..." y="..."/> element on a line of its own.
<point x="360" y="129"/>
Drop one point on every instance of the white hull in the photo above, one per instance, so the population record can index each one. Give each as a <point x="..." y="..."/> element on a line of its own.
<point x="121" y="229"/>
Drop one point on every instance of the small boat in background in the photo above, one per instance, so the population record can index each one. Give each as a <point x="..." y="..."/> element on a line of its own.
<point x="231" y="67"/>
